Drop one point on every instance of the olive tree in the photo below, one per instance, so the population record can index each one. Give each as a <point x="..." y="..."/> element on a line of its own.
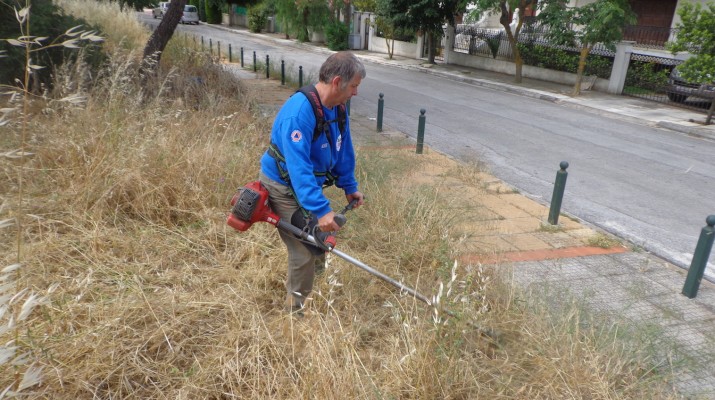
<point x="696" y="34"/>
<point x="162" y="34"/>
<point x="599" y="22"/>
<point x="425" y="16"/>
<point x="505" y="9"/>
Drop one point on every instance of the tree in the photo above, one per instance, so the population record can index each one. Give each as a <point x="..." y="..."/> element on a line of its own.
<point x="696" y="34"/>
<point x="384" y="23"/>
<point x="161" y="36"/>
<point x="297" y="16"/>
<point x="425" y="16"/>
<point x="505" y="9"/>
<point x="213" y="11"/>
<point x="599" y="22"/>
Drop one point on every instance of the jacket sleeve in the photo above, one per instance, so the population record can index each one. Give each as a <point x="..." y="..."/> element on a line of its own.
<point x="345" y="167"/>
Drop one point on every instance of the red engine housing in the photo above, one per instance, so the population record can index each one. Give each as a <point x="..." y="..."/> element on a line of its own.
<point x="249" y="205"/>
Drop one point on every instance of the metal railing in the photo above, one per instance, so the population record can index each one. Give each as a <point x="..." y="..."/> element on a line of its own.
<point x="653" y="37"/>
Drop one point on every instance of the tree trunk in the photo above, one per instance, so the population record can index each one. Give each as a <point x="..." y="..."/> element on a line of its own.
<point x="161" y="36"/>
<point x="711" y="111"/>
<point x="505" y="20"/>
<point x="347" y="11"/>
<point x="431" y="47"/>
<point x="585" y="49"/>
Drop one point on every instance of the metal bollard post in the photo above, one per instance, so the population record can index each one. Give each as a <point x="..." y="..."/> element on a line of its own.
<point x="255" y="67"/>
<point x="268" y="67"/>
<point x="202" y="42"/>
<point x="558" y="195"/>
<point x="241" y="57"/>
<point x="421" y="131"/>
<point x="211" y="47"/>
<point x="380" y="108"/>
<point x="300" y="76"/>
<point x="283" y="72"/>
<point x="218" y="49"/>
<point x="230" y="55"/>
<point x="700" y="258"/>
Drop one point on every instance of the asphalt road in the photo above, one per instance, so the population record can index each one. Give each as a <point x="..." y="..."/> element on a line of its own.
<point x="651" y="186"/>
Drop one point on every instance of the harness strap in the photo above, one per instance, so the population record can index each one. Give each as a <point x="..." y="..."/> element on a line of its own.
<point x="278" y="157"/>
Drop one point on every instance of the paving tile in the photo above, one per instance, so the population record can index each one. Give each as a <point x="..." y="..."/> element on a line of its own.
<point x="526" y="241"/>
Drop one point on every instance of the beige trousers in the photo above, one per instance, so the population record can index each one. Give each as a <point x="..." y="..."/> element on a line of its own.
<point x="301" y="262"/>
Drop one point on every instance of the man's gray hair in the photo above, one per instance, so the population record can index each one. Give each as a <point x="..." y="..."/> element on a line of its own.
<point x="343" y="64"/>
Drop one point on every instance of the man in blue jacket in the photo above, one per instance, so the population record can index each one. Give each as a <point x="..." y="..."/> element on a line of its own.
<point x="306" y="154"/>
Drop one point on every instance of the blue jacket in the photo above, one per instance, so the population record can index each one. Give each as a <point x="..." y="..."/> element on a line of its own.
<point x="292" y="134"/>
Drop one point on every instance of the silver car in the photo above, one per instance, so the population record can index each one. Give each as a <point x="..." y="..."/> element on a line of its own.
<point x="190" y="15"/>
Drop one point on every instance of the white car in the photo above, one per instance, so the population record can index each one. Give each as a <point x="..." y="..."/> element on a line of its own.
<point x="159" y="12"/>
<point x="190" y="15"/>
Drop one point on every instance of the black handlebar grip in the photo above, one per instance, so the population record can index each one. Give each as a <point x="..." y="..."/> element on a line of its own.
<point x="340" y="219"/>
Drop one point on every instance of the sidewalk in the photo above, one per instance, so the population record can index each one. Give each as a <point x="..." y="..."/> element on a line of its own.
<point x="626" y="286"/>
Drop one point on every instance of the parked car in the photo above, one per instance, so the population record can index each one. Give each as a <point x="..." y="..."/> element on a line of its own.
<point x="190" y="15"/>
<point x="679" y="89"/>
<point x="158" y="12"/>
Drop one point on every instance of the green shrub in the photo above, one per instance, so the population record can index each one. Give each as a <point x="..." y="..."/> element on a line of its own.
<point x="647" y="75"/>
<point x="564" y="60"/>
<point x="213" y="12"/>
<point x="202" y="10"/>
<point x="336" y="36"/>
<point x="257" y="18"/>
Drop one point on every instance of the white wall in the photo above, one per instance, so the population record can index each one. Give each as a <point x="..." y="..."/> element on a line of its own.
<point x="404" y="49"/>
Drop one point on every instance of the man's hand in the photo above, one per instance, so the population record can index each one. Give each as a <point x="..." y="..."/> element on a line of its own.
<point x="327" y="223"/>
<point x="357" y="195"/>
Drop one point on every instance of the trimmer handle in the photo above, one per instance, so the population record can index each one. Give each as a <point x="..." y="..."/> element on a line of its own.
<point x="340" y="218"/>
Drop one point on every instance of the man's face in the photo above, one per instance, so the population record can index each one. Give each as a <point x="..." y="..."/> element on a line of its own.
<point x="350" y="90"/>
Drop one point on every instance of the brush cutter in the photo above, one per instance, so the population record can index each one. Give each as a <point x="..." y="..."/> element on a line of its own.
<point x="250" y="205"/>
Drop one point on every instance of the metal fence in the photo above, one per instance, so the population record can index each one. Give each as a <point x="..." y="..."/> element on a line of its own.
<point x="651" y="37"/>
<point x="649" y="77"/>
<point x="535" y="49"/>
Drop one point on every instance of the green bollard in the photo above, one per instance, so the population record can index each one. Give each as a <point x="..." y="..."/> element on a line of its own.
<point x="700" y="258"/>
<point x="230" y="55"/>
<point x="558" y="195"/>
<point x="218" y="49"/>
<point x="300" y="76"/>
<point x="421" y="131"/>
<point x="255" y="67"/>
<point x="380" y="108"/>
<point x="202" y="43"/>
<point x="283" y="72"/>
<point x="347" y="106"/>
<point x="241" y="57"/>
<point x="211" y="47"/>
<point x="268" y="67"/>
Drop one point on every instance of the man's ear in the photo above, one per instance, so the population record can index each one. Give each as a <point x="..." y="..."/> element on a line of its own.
<point x="336" y="82"/>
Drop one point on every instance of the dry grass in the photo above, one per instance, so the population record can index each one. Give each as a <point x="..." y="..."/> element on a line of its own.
<point x="151" y="295"/>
